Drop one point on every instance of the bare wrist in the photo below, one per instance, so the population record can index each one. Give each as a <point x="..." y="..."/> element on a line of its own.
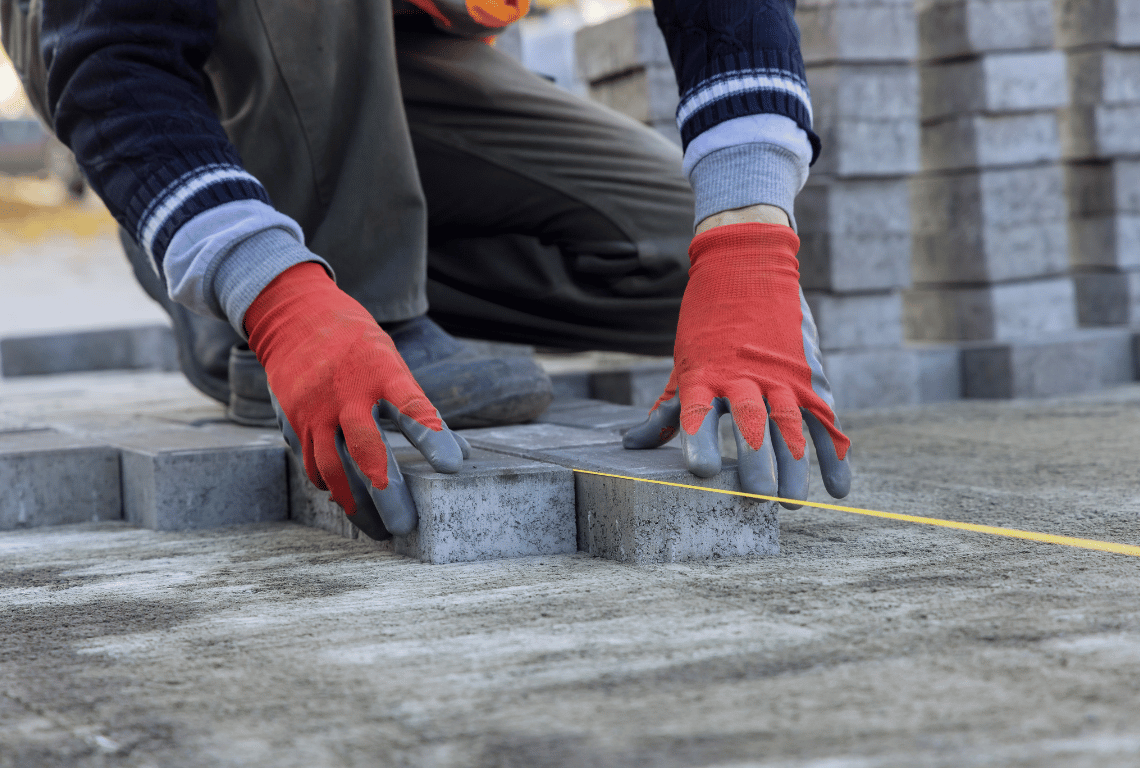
<point x="752" y="214"/>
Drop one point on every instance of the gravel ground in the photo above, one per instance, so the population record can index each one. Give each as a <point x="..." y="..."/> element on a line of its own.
<point x="866" y="643"/>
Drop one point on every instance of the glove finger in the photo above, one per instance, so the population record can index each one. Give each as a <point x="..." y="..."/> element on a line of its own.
<point x="287" y="430"/>
<point x="659" y="428"/>
<point x="333" y="474"/>
<point x="755" y="466"/>
<point x="836" y="472"/>
<point x="792" y="472"/>
<point x="702" y="449"/>
<point x="439" y="447"/>
<point x="463" y="444"/>
<point x="380" y="514"/>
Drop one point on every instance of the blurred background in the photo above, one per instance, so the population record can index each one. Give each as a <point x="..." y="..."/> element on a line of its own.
<point x="972" y="228"/>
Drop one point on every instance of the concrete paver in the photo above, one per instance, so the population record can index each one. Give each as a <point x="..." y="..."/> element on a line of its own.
<point x="863" y="643"/>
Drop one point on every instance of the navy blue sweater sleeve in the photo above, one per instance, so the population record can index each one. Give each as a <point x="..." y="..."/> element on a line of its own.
<point x="735" y="58"/>
<point x="126" y="92"/>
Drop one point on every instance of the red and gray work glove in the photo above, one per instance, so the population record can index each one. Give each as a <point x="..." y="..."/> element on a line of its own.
<point x="747" y="345"/>
<point x="333" y="374"/>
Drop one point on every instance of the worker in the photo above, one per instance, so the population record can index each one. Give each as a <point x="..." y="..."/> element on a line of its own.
<point x="312" y="177"/>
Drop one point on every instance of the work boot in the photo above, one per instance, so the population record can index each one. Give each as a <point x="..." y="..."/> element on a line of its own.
<point x="468" y="387"/>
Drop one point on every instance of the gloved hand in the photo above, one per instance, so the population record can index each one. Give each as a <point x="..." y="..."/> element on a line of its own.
<point x="747" y="345"/>
<point x="473" y="18"/>
<point x="333" y="373"/>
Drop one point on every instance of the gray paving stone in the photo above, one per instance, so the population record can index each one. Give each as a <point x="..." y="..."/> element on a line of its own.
<point x="573" y="384"/>
<point x="939" y="372"/>
<point x="872" y="378"/>
<point x="954" y="28"/>
<point x="592" y="414"/>
<point x="857" y="31"/>
<point x="852" y="321"/>
<point x="1021" y="81"/>
<point x="620" y="45"/>
<point x="644" y="523"/>
<point x="648" y="94"/>
<point x="867" y="117"/>
<point x="179" y="480"/>
<point x="989" y="226"/>
<point x="530" y="440"/>
<point x="1086" y="22"/>
<point x="1103" y="131"/>
<point x="498" y="506"/>
<point x="1002" y="312"/>
<point x="1103" y="187"/>
<point x="638" y="386"/>
<point x="148" y="347"/>
<point x="1084" y="361"/>
<point x="991" y="141"/>
<point x="1111" y="240"/>
<point x="48" y="478"/>
<point x="1108" y="298"/>
<point x="1104" y="76"/>
<point x="854" y="234"/>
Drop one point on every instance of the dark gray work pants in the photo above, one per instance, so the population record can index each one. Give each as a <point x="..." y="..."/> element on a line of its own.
<point x="435" y="171"/>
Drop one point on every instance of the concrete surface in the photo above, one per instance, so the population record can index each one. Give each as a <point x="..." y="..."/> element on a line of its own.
<point x="853" y="30"/>
<point x="864" y="644"/>
<point x="952" y="28"/>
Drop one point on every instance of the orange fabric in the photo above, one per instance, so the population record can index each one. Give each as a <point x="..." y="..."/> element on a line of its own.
<point x="328" y="364"/>
<point x="428" y="7"/>
<point x="739" y="336"/>
<point x="497" y="13"/>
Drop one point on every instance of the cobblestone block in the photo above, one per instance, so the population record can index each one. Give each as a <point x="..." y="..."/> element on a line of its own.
<point x="989" y="226"/>
<point x="954" y="28"/>
<point x="620" y="45"/>
<point x="857" y="31"/>
<point x="1108" y="298"/>
<point x="1105" y="76"/>
<point x="1100" y="132"/>
<point x="189" y="479"/>
<point x="1103" y="187"/>
<point x="854" y="234"/>
<point x="867" y="117"/>
<point x="1083" y="361"/>
<point x="1089" y="22"/>
<point x="991" y="141"/>
<point x="497" y="507"/>
<point x="645" y="523"/>
<point x="531" y="441"/>
<point x="638" y="386"/>
<point x="1111" y="240"/>
<point x="995" y="83"/>
<point x="872" y="378"/>
<point x="851" y="321"/>
<point x="48" y="478"/>
<point x="148" y="347"/>
<point x="939" y="372"/>
<point x="1001" y="312"/>
<point x="648" y="95"/>
<point x="592" y="414"/>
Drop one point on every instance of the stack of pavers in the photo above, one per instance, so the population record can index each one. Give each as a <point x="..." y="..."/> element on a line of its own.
<point x="991" y="251"/>
<point x="1101" y="142"/>
<point x="626" y="66"/>
<point x="853" y="216"/>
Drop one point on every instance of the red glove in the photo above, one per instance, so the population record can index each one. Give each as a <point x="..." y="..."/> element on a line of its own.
<point x="333" y="373"/>
<point x="746" y="344"/>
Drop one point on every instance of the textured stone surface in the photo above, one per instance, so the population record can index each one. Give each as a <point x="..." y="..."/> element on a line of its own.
<point x="1102" y="131"/>
<point x="872" y="378"/>
<point x="1104" y="76"/>
<point x="1085" y="22"/>
<point x="639" y="386"/>
<point x="857" y="31"/>
<point x="953" y="28"/>
<point x="991" y="141"/>
<point x="1111" y="240"/>
<point x="617" y="46"/>
<point x="530" y="440"/>
<point x="847" y="321"/>
<point x="497" y="507"/>
<point x="986" y="226"/>
<point x="1001" y="312"/>
<point x="48" y="478"/>
<point x="592" y="414"/>
<point x="645" y="523"/>
<point x="1084" y="361"/>
<point x="867" y="117"/>
<point x="939" y="372"/>
<point x="994" y="83"/>
<point x="854" y="234"/>
<point x="149" y="347"/>
<point x="1108" y="298"/>
<point x="648" y="95"/>
<point x="1101" y="187"/>
<point x="179" y="480"/>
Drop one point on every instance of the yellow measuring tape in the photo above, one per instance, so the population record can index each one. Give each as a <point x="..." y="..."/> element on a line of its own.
<point x="1013" y="533"/>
